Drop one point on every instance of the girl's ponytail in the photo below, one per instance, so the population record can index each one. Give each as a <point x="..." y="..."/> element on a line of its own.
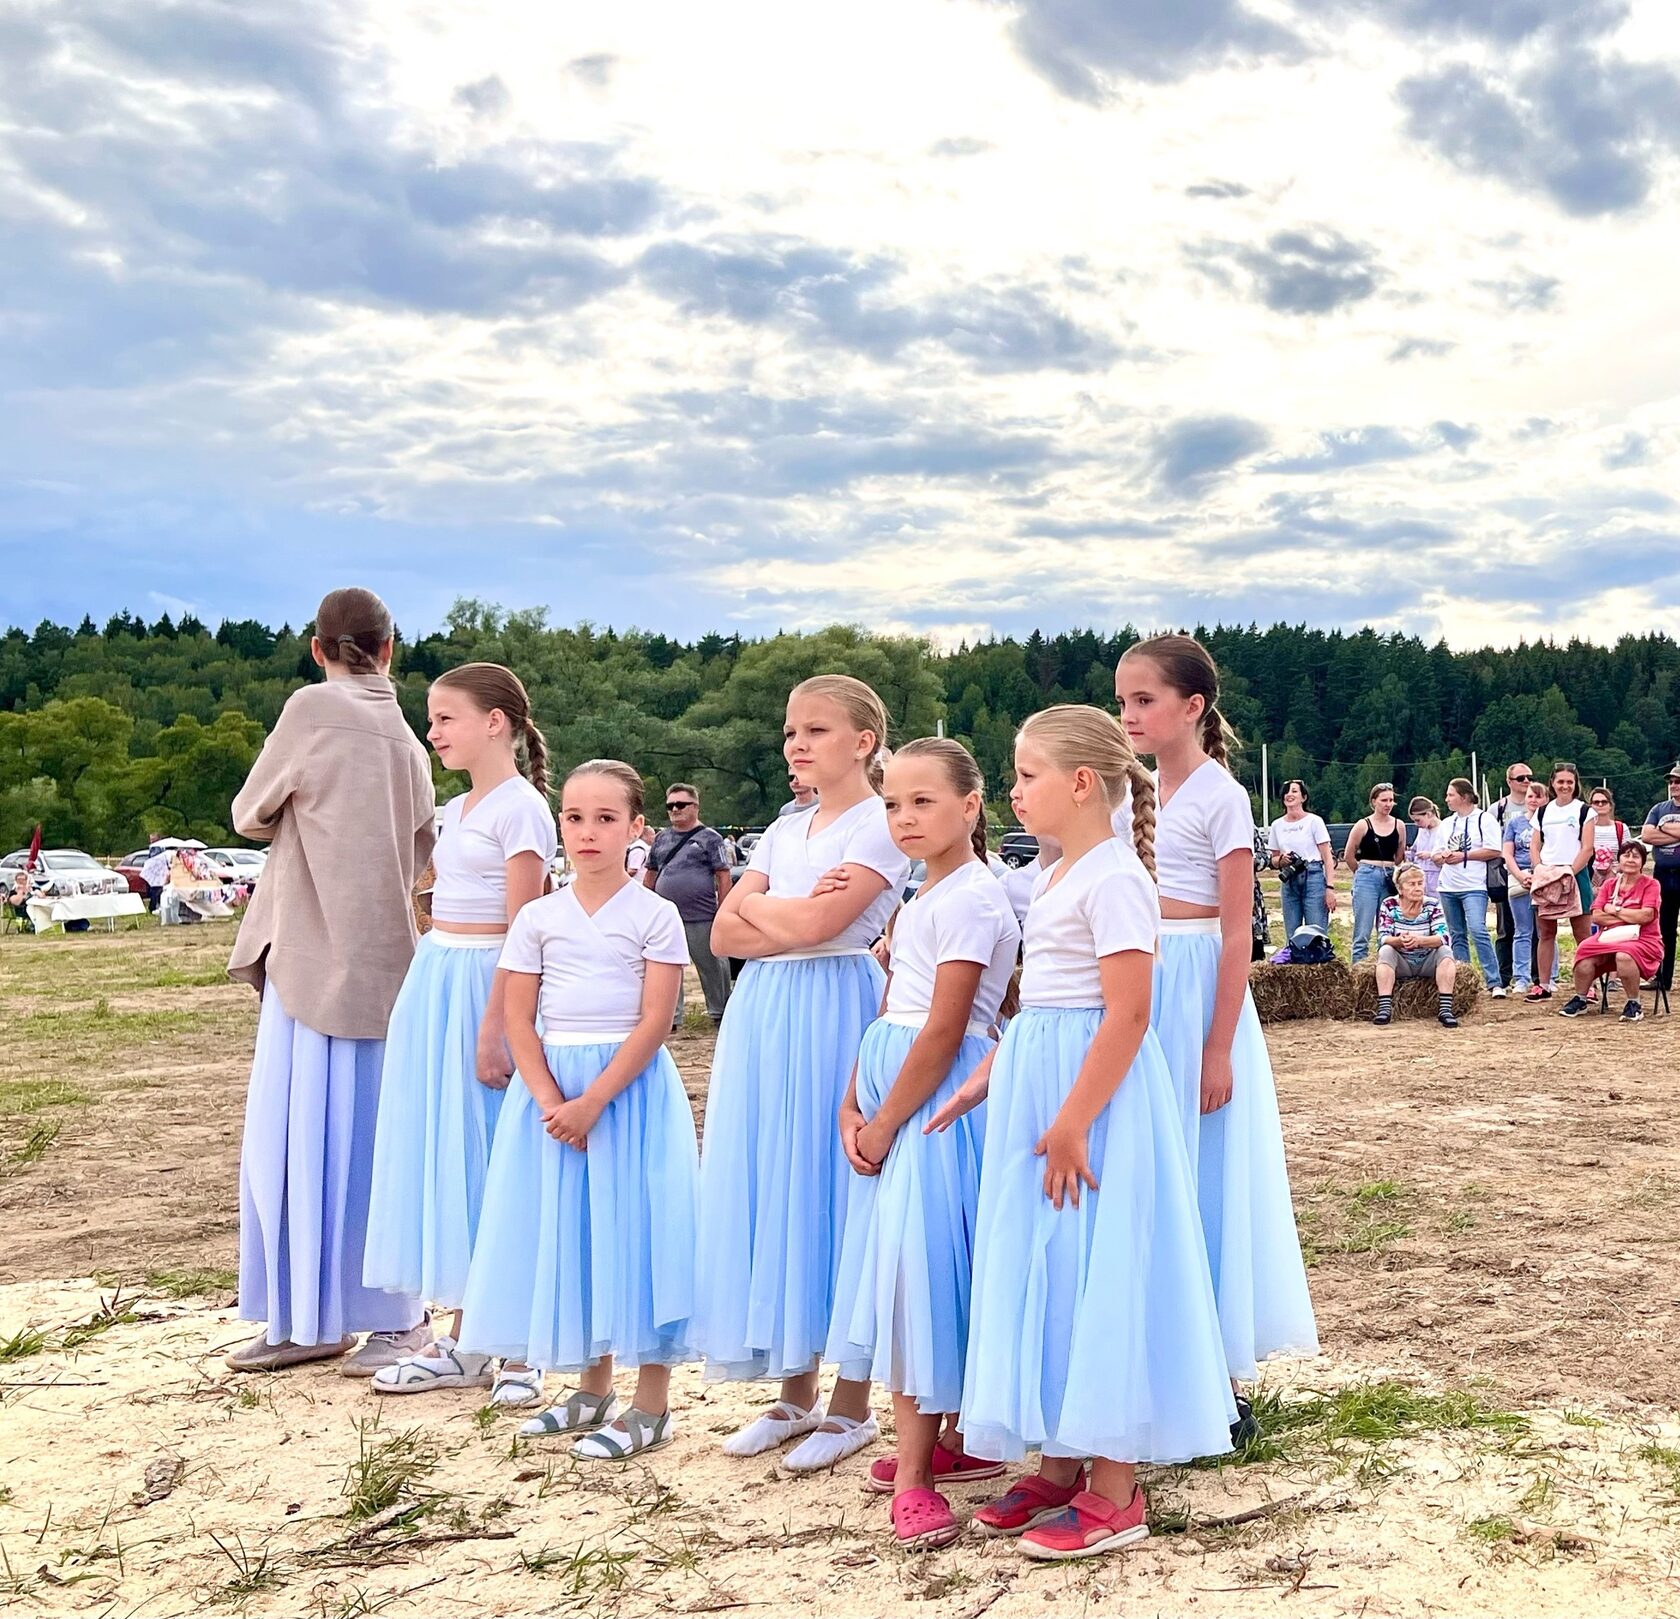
<point x="1142" y="785"/>
<point x="979" y="832"/>
<point x="536" y="756"/>
<point x="1218" y="739"/>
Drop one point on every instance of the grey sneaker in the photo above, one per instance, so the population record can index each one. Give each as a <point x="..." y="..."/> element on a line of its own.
<point x="382" y="1349"/>
<point x="259" y="1355"/>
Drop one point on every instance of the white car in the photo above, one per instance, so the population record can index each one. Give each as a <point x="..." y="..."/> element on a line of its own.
<point x="236" y="865"/>
<point x="65" y="871"/>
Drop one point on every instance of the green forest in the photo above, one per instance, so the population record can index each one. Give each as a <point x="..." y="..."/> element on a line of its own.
<point x="108" y="732"/>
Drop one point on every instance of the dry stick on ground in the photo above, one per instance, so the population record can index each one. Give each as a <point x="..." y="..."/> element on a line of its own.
<point x="1267" y="1509"/>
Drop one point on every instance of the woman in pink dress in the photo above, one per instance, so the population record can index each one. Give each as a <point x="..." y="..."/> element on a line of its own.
<point x="1628" y="941"/>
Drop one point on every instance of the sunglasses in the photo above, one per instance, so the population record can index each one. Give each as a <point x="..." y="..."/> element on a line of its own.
<point x="680" y="803"/>
<point x="1383" y="787"/>
<point x="1519" y="778"/>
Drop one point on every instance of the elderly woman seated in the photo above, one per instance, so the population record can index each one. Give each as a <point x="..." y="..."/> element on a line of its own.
<point x="1629" y="938"/>
<point x="1412" y="943"/>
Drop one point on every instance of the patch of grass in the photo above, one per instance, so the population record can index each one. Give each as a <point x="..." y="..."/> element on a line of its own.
<point x="1583" y="1419"/>
<point x="485" y="1419"/>
<point x="19" y="1096"/>
<point x="696" y="1020"/>
<point x="1495" y="1530"/>
<point x="580" y="1572"/>
<point x="35" y="1147"/>
<point x="387" y="1470"/>
<point x="23" y="1343"/>
<point x="1539" y="1495"/>
<point x="181" y="978"/>
<point x="1459" y="1220"/>
<point x="252" y="1574"/>
<point x="1364" y="1219"/>
<point x="1665" y="1459"/>
<point x="189" y="1282"/>
<point x="99" y="1019"/>
<point x="1346" y="1428"/>
<point x="112" y="1312"/>
<point x="356" y="1603"/>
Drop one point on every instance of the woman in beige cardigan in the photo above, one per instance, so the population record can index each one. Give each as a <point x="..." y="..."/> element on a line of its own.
<point x="343" y="792"/>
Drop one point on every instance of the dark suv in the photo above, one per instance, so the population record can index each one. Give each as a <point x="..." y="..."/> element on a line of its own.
<point x="1018" y="849"/>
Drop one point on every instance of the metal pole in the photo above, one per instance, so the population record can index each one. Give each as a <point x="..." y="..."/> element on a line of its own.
<point x="1475" y="775"/>
<point x="939" y="728"/>
<point x="1265" y="787"/>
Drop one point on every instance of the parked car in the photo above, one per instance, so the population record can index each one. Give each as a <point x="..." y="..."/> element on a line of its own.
<point x="66" y="871"/>
<point x="236" y="865"/>
<point x="129" y="867"/>
<point x="1018" y="849"/>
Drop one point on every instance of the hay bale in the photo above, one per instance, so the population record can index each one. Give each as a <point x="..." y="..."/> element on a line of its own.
<point x="1415" y="998"/>
<point x="1287" y="993"/>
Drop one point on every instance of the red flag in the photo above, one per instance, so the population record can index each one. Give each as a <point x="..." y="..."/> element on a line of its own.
<point x="34" y="850"/>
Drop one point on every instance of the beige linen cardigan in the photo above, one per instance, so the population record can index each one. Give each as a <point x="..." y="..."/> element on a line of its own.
<point x="343" y="790"/>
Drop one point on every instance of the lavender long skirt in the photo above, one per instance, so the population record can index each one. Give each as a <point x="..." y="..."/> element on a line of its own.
<point x="305" y="1168"/>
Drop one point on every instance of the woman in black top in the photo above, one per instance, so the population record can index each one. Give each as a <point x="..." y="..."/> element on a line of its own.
<point x="1375" y="846"/>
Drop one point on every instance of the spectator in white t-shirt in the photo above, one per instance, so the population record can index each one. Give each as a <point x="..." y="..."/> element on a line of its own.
<point x="1300" y="849"/>
<point x="1428" y="844"/>
<point x="1472" y="844"/>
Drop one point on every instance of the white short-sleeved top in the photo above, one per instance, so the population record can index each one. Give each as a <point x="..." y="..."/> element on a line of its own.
<point x="1019" y="884"/>
<point x="1104" y="903"/>
<point x="1301" y="837"/>
<point x="1479" y="829"/>
<point x="1562" y="827"/>
<point x="793" y="857"/>
<point x="963" y="917"/>
<point x="474" y="847"/>
<point x="1207" y="818"/>
<point x="592" y="966"/>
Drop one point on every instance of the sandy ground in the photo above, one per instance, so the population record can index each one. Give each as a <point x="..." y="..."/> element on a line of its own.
<point x="1489" y="1217"/>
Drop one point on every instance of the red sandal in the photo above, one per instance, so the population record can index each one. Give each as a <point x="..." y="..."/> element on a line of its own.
<point x="923" y="1520"/>
<point x="1091" y="1526"/>
<point x="949" y="1467"/>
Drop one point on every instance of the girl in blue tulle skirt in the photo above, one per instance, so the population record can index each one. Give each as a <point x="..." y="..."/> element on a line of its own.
<point x="1204" y="1015"/>
<point x="1092" y="1330"/>
<point x="774" y="1178"/>
<point x="902" y="1295"/>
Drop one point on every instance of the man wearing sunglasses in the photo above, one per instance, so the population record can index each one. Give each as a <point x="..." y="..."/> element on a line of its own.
<point x="1517" y="778"/>
<point x="689" y="866"/>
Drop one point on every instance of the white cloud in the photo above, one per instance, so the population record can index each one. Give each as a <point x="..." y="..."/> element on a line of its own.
<point x="876" y="312"/>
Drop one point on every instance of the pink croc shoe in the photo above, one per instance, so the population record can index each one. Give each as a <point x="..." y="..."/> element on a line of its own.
<point x="1091" y="1526"/>
<point x="923" y="1520"/>
<point x="1030" y="1500"/>
<point x="949" y="1467"/>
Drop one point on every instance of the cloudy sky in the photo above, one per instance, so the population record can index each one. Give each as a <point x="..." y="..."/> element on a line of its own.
<point x="941" y="315"/>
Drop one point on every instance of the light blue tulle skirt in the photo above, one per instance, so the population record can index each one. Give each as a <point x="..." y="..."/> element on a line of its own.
<point x="436" y="1123"/>
<point x="304" y="1171"/>
<point x="1093" y="1330"/>
<point x="585" y="1254"/>
<point x="774" y="1182"/>
<point x="1242" y="1181"/>
<point x="902" y="1294"/>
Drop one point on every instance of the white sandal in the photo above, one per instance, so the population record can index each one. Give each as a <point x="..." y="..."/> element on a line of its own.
<point x="634" y="1434"/>
<point x="513" y="1389"/>
<point x="447" y="1368"/>
<point x="768" y="1431"/>
<point x="573" y="1413"/>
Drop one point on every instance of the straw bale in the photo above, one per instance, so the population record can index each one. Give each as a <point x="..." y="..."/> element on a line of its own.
<point x="1284" y="994"/>
<point x="1415" y="997"/>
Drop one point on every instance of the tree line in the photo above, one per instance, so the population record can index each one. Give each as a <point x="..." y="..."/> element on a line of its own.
<point x="108" y="732"/>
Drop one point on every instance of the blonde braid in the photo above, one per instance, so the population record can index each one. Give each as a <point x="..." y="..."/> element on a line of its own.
<point x="1143" y="815"/>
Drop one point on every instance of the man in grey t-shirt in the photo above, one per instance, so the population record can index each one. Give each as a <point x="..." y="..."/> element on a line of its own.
<point x="689" y="866"/>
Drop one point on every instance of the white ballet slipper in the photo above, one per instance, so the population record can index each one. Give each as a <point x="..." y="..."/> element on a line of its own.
<point x="770" y="1430"/>
<point x="825" y="1448"/>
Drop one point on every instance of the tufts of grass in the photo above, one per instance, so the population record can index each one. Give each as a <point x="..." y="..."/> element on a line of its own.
<point x="1665" y="1459"/>
<point x="356" y="1603"/>
<point x="100" y="1020"/>
<point x="190" y="1282"/>
<point x="23" y="1343"/>
<point x="580" y="1572"/>
<point x="388" y="1470"/>
<point x="19" y="1096"/>
<point x="1364" y="1219"/>
<point x="252" y="1574"/>
<point x="112" y="1312"/>
<point x="1495" y="1530"/>
<point x="34" y="1148"/>
<point x="1346" y="1428"/>
<point x="1583" y="1419"/>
